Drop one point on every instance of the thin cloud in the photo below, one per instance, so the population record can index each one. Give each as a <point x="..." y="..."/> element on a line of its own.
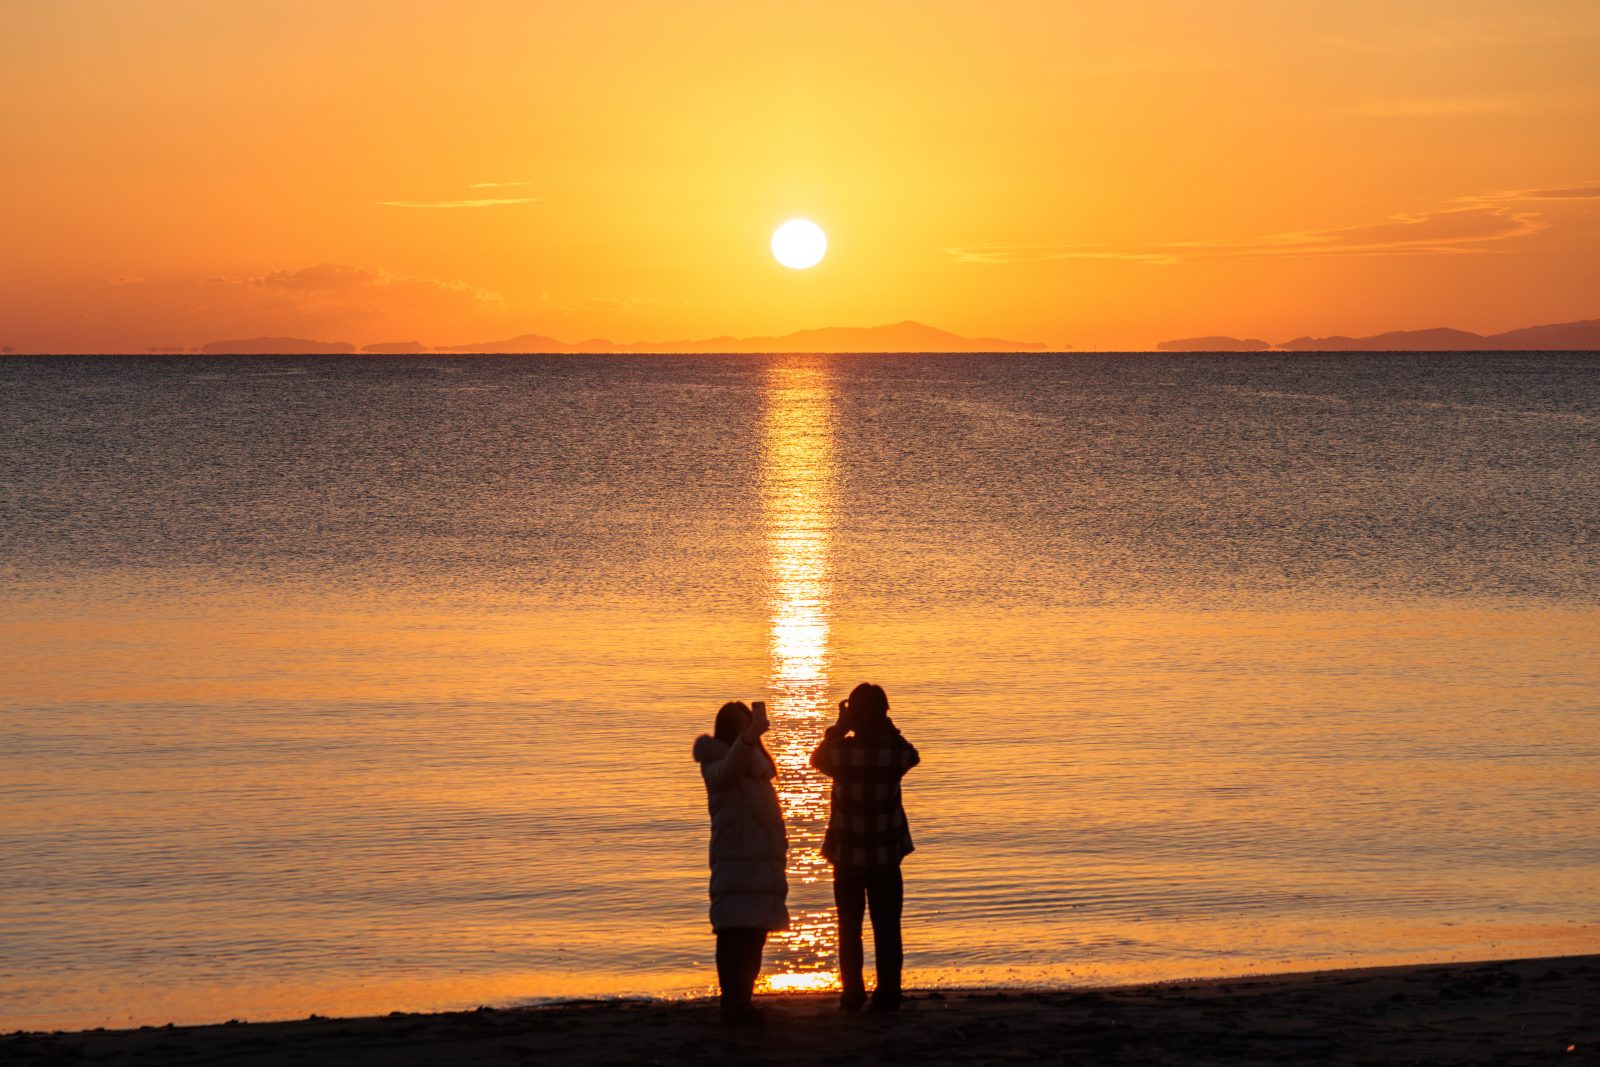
<point x="351" y="285"/>
<point x="498" y="185"/>
<point x="1437" y="107"/>
<point x="596" y="303"/>
<point x="1491" y="27"/>
<point x="1469" y="224"/>
<point x="323" y="300"/>
<point x="1034" y="253"/>
<point x="489" y="202"/>
<point x="1581" y="192"/>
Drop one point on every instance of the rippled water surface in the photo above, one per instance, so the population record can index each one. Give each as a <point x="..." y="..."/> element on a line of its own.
<point x="358" y="684"/>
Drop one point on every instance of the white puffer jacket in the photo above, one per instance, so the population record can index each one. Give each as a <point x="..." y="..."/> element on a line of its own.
<point x="749" y="846"/>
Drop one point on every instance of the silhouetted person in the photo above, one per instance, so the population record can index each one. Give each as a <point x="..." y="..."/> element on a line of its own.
<point x="867" y="838"/>
<point x="748" y="850"/>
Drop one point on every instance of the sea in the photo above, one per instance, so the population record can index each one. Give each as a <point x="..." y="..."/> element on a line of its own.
<point x="348" y="685"/>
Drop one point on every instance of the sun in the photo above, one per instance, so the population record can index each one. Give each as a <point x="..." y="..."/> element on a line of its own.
<point x="799" y="243"/>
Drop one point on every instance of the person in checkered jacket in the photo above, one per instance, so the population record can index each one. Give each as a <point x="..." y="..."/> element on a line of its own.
<point x="866" y="756"/>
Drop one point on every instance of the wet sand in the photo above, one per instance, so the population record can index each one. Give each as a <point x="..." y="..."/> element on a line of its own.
<point x="1525" y="1011"/>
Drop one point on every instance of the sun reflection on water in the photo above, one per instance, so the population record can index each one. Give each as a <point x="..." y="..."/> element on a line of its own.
<point x="798" y="504"/>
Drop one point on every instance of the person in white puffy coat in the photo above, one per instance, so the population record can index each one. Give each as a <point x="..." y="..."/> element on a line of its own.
<point x="749" y="850"/>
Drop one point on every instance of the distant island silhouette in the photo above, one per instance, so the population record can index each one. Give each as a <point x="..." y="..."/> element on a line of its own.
<point x="897" y="337"/>
<point x="1563" y="336"/>
<point x="273" y="346"/>
<point x="1213" y="344"/>
<point x="910" y="336"/>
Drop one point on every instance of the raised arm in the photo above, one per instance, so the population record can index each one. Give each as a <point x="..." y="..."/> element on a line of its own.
<point x="909" y="757"/>
<point x="826" y="756"/>
<point x="730" y="768"/>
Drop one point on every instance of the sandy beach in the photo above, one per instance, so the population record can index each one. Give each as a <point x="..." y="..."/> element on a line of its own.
<point x="1523" y="1011"/>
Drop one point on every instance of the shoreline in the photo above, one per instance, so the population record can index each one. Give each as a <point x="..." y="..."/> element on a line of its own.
<point x="1509" y="1011"/>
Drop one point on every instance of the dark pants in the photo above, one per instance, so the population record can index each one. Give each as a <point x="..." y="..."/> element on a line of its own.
<point x="855" y="890"/>
<point x="738" y="964"/>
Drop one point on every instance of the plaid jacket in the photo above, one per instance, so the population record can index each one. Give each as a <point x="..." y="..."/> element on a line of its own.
<point x="866" y="822"/>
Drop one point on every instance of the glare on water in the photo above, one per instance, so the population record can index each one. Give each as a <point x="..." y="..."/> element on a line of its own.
<point x="797" y="495"/>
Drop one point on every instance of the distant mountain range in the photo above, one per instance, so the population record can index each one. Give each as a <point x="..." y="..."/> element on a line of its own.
<point x="273" y="346"/>
<point x="917" y="337"/>
<point x="899" y="337"/>
<point x="1565" y="336"/>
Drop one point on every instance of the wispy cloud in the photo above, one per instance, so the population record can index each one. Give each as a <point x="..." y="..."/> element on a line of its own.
<point x="1468" y="224"/>
<point x="487" y="202"/>
<point x="342" y="282"/>
<point x="331" y="301"/>
<point x="1457" y="27"/>
<point x="1430" y="107"/>
<point x="498" y="185"/>
<point x="596" y="303"/>
<point x="1578" y="192"/>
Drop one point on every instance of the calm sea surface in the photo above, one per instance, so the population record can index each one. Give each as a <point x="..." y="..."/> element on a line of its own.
<point x="357" y="684"/>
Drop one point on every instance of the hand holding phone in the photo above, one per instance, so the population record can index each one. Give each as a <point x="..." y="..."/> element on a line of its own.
<point x="758" y="717"/>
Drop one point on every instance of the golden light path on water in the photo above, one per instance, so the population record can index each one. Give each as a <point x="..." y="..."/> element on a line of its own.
<point x="798" y="506"/>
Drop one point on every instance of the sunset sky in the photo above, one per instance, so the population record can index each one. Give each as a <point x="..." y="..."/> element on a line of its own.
<point x="1100" y="175"/>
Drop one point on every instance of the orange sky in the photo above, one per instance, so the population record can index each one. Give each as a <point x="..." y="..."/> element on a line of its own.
<point x="1104" y="175"/>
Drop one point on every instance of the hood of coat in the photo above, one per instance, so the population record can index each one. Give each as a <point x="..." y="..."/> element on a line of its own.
<point x="708" y="749"/>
